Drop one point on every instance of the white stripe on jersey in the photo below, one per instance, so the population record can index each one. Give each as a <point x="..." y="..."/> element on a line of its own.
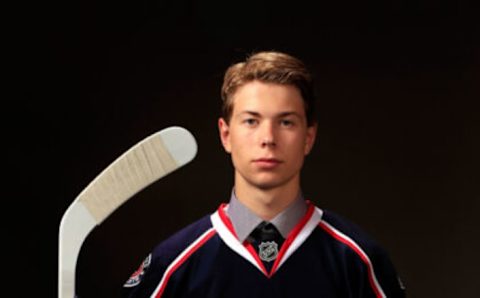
<point x="352" y="244"/>
<point x="231" y="240"/>
<point x="180" y="259"/>
<point x="303" y="235"/>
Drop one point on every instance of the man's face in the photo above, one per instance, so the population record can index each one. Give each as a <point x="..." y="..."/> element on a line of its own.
<point x="267" y="136"/>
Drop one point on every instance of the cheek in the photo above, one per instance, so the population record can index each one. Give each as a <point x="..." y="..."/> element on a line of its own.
<point x="239" y="156"/>
<point x="242" y="139"/>
<point x="238" y="145"/>
<point x="301" y="148"/>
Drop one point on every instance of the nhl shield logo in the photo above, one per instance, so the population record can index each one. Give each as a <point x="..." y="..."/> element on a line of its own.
<point x="268" y="251"/>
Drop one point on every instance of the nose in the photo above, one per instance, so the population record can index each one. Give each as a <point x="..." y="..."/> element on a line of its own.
<point x="267" y="136"/>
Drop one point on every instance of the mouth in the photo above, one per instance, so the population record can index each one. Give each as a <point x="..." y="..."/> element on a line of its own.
<point x="267" y="163"/>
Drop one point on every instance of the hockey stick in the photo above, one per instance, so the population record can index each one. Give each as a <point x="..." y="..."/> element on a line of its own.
<point x="144" y="163"/>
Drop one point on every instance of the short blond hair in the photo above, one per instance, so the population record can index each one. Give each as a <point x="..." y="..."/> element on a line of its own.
<point x="268" y="67"/>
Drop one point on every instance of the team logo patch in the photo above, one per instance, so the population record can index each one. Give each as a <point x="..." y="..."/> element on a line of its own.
<point x="268" y="251"/>
<point x="136" y="277"/>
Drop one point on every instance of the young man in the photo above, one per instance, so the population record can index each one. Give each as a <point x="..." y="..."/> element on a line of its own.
<point x="268" y="241"/>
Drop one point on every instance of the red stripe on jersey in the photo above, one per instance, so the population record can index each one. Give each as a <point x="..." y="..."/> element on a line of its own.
<point x="181" y="259"/>
<point x="363" y="256"/>
<point x="283" y="250"/>
<point x="291" y="237"/>
<point x="254" y="254"/>
<point x="228" y="223"/>
<point x="226" y="220"/>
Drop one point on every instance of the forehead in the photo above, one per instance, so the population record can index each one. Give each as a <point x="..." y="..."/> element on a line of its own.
<point x="268" y="97"/>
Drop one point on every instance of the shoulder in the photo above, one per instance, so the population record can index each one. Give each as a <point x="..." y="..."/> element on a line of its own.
<point x="182" y="239"/>
<point x="352" y="238"/>
<point x="345" y="230"/>
<point x="182" y="243"/>
<point x="357" y="242"/>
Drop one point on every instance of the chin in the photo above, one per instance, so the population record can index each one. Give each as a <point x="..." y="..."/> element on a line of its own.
<point x="266" y="187"/>
<point x="267" y="180"/>
<point x="268" y="184"/>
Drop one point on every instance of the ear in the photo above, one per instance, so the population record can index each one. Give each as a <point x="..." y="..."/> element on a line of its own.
<point x="310" y="139"/>
<point x="224" y="131"/>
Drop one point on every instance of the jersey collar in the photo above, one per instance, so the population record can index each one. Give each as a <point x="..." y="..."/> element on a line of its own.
<point x="297" y="236"/>
<point x="244" y="220"/>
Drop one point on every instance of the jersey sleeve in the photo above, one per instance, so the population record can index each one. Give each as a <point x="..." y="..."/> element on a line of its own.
<point x="144" y="280"/>
<point x="386" y="274"/>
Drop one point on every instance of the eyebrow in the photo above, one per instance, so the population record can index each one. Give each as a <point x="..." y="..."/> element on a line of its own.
<point x="280" y="115"/>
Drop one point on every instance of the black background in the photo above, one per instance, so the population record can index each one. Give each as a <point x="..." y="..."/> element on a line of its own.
<point x="397" y="149"/>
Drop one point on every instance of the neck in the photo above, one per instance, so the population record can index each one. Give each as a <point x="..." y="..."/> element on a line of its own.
<point x="267" y="203"/>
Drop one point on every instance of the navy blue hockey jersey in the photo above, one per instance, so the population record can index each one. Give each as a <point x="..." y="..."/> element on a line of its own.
<point x="323" y="256"/>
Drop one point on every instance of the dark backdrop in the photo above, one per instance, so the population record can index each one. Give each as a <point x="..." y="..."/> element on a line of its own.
<point x="397" y="148"/>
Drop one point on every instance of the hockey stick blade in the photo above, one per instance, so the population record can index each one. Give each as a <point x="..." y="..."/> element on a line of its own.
<point x="149" y="160"/>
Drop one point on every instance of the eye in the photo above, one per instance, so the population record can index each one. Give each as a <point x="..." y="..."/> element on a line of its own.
<point x="287" y="123"/>
<point x="250" y="121"/>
